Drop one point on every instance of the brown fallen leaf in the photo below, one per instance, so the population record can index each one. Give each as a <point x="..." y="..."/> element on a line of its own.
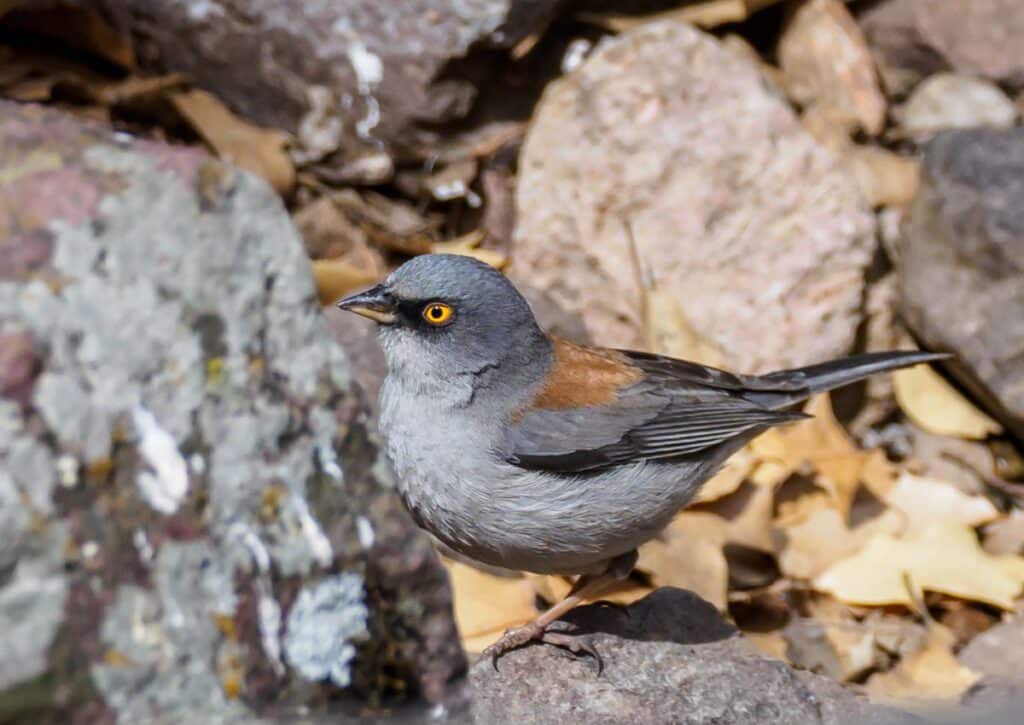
<point x="936" y="406"/>
<point x="727" y="480"/>
<point x="82" y="28"/>
<point x="468" y="245"/>
<point x="487" y="605"/>
<point x="930" y="676"/>
<point x="689" y="555"/>
<point x="259" y="150"/>
<point x="943" y="556"/>
<point x="335" y="278"/>
<point x="820" y="444"/>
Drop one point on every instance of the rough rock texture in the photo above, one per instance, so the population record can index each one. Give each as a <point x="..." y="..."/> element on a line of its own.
<point x="912" y="39"/>
<point x="323" y="68"/>
<point x="826" y="63"/>
<point x="961" y="263"/>
<point x="194" y="526"/>
<point x="947" y="101"/>
<point x="668" y="658"/>
<point x="736" y="210"/>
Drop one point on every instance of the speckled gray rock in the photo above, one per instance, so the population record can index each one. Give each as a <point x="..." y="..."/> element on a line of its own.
<point x="960" y="261"/>
<point x="195" y="526"/>
<point x="668" y="658"/>
<point x="736" y="210"/>
<point x="334" y="72"/>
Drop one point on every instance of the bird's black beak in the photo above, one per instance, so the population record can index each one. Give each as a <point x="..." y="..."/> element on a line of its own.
<point x="374" y="303"/>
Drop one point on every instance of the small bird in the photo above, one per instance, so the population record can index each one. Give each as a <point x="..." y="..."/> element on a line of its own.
<point x="525" y="451"/>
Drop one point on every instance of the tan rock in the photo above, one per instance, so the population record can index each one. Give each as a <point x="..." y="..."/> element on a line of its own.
<point x="825" y="62"/>
<point x="735" y="208"/>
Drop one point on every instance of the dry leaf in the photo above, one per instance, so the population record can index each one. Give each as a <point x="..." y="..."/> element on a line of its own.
<point x="820" y="443"/>
<point x="823" y="538"/>
<point x="707" y="14"/>
<point x="689" y="555"/>
<point x="255" y="149"/>
<point x="923" y="500"/>
<point x="469" y="245"/>
<point x="936" y="406"/>
<point x="884" y="178"/>
<point x="728" y="479"/>
<point x="929" y="676"/>
<point x="942" y="557"/>
<point x="335" y="278"/>
<point x="772" y="644"/>
<point x="667" y="331"/>
<point x="81" y="28"/>
<point x="486" y="605"/>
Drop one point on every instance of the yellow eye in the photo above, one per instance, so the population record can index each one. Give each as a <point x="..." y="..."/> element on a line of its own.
<point x="438" y="313"/>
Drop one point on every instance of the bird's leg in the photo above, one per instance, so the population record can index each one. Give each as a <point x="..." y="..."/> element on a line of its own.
<point x="587" y="586"/>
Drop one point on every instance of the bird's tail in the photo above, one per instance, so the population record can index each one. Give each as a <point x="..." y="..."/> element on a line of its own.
<point x="786" y="387"/>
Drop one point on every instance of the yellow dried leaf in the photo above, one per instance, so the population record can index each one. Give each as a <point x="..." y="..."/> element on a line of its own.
<point x="487" y="605"/>
<point x="935" y="406"/>
<point x="823" y="538"/>
<point x="255" y="149"/>
<point x="944" y="556"/>
<point x="923" y="500"/>
<point x="929" y="676"/>
<point x="707" y="14"/>
<point x="689" y="555"/>
<point x="468" y="245"/>
<point x="728" y="479"/>
<point x="335" y="278"/>
<point x="667" y="331"/>
<point x="819" y="443"/>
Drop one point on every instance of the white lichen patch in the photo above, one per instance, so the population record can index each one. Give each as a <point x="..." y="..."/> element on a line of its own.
<point x="322" y="625"/>
<point x="165" y="484"/>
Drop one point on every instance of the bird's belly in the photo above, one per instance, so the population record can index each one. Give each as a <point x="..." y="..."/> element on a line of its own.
<point x="459" y="490"/>
<point x="542" y="522"/>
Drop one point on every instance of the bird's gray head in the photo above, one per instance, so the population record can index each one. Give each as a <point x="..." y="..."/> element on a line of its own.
<point x="441" y="314"/>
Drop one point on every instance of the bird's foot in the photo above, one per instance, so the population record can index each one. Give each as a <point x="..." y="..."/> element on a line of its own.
<point x="575" y="645"/>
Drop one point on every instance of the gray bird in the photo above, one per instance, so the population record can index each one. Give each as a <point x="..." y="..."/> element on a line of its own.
<point x="524" y="451"/>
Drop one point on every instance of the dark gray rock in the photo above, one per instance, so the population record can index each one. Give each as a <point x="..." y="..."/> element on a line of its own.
<point x="912" y="39"/>
<point x="668" y="658"/>
<point x="194" y="526"/>
<point x="348" y="73"/>
<point x="961" y="263"/>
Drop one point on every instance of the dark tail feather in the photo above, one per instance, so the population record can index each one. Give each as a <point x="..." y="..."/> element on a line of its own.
<point x="787" y="387"/>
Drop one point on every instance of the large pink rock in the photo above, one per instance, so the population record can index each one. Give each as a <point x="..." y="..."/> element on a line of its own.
<point x="735" y="208"/>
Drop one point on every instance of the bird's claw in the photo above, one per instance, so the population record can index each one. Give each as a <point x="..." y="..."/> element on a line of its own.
<point x="573" y="644"/>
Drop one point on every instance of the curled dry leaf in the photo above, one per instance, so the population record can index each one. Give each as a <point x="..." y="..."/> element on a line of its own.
<point x="336" y="278"/>
<point x="469" y="245"/>
<point x="942" y="557"/>
<point x="931" y="675"/>
<point x="936" y="406"/>
<point x="727" y="480"/>
<point x="487" y="605"/>
<point x="689" y="555"/>
<point x="819" y="444"/>
<point x="259" y="150"/>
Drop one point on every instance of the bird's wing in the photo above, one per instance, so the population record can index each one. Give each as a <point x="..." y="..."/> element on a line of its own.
<point x="604" y="408"/>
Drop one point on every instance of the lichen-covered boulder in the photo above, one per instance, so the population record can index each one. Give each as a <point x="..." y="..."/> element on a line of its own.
<point x="196" y="525"/>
